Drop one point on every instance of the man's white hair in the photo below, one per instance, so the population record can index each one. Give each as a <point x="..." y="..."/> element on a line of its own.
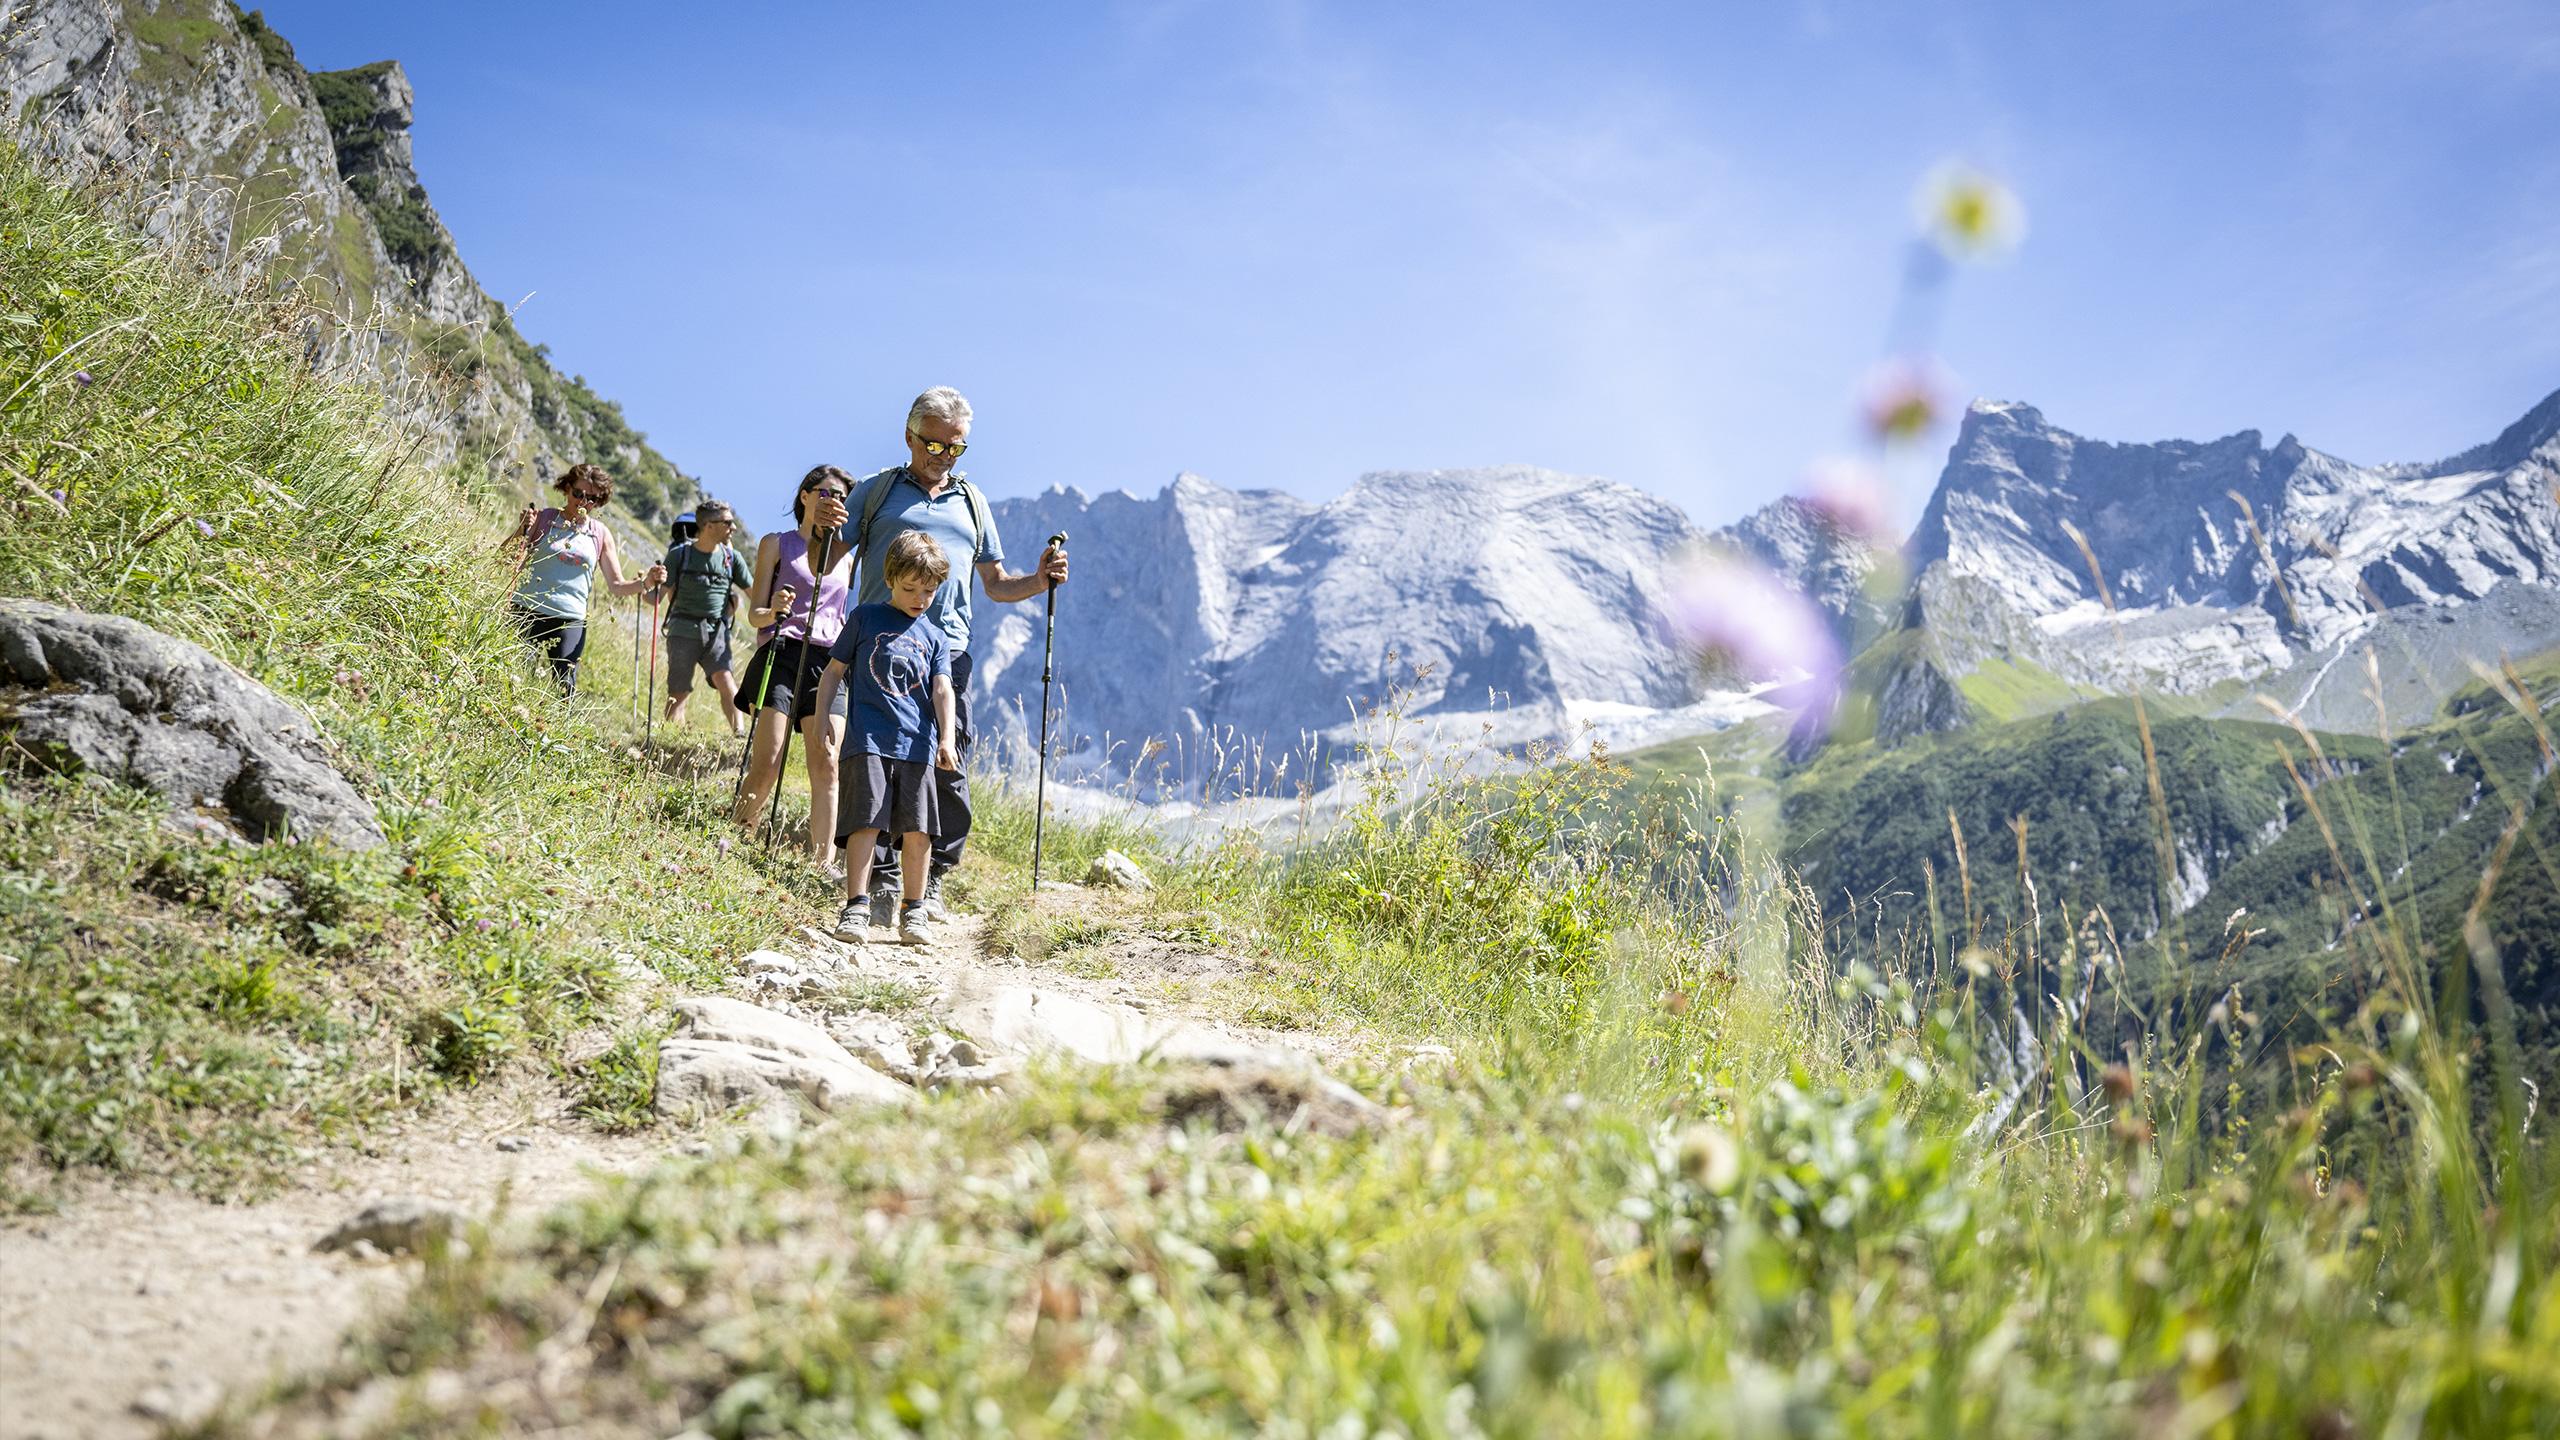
<point x="939" y="403"/>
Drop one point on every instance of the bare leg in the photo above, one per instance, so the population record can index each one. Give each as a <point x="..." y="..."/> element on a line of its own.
<point x="913" y="848"/>
<point x="857" y="869"/>
<point x="727" y="684"/>
<point x="764" y="757"/>
<point x="822" y="736"/>
<point x="675" y="707"/>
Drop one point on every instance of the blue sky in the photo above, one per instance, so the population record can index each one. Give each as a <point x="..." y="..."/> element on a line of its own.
<point x="1280" y="244"/>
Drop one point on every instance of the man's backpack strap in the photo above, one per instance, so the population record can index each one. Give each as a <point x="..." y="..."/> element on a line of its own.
<point x="875" y="494"/>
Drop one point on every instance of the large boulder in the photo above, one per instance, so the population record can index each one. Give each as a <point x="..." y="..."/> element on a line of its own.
<point x="110" y="697"/>
<point x="727" y="1053"/>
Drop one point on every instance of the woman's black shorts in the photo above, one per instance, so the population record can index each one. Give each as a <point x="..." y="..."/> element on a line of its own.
<point x="785" y="675"/>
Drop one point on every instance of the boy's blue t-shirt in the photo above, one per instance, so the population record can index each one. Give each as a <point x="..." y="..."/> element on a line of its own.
<point x="890" y="659"/>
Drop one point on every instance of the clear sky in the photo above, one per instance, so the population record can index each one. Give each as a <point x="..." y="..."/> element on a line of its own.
<point x="1280" y="244"/>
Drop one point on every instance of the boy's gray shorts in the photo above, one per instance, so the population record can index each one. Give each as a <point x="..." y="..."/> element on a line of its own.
<point x="695" y="642"/>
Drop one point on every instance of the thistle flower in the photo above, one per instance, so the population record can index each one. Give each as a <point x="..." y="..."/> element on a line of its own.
<point x="1969" y="215"/>
<point x="1905" y="398"/>
<point x="1732" y="611"/>
<point x="1850" y="499"/>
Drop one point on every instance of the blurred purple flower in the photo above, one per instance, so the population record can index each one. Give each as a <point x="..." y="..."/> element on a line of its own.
<point x="1905" y="398"/>
<point x="1729" y="610"/>
<point x="1851" y="499"/>
<point x="61" y="498"/>
<point x="484" y="925"/>
<point x="83" y="378"/>
<point x="204" y="529"/>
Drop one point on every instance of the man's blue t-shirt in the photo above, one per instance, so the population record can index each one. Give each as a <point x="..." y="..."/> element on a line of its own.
<point x="946" y="518"/>
<point x="890" y="659"/>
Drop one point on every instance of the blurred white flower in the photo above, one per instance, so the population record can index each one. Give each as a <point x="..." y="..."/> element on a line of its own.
<point x="1969" y="215"/>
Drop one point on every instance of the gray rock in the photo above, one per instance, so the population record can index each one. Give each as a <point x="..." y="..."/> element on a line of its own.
<point x="405" y="1225"/>
<point x="2202" y="599"/>
<point x="727" y="1053"/>
<point x="180" y="1404"/>
<point x="1115" y="870"/>
<point x="104" y="696"/>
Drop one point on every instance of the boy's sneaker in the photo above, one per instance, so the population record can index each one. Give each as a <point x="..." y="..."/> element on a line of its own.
<point x="884" y="906"/>
<point x="934" y="909"/>
<point x="850" y="918"/>
<point x="914" y="926"/>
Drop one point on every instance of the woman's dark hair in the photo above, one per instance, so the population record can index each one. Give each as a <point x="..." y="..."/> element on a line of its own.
<point x="585" y="474"/>
<point x="809" y="482"/>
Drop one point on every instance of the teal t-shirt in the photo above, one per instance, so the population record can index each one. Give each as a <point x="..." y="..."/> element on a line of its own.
<point x="946" y="518"/>
<point x="702" y="582"/>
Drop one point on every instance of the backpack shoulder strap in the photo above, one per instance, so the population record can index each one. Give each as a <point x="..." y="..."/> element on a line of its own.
<point x="979" y="521"/>
<point x="875" y="493"/>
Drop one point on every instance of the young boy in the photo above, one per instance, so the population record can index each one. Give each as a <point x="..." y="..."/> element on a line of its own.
<point x="894" y="656"/>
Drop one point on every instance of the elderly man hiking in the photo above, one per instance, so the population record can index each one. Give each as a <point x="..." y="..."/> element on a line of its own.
<point x="929" y="493"/>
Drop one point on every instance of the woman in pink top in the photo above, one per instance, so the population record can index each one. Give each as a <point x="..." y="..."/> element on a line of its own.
<point x="797" y="609"/>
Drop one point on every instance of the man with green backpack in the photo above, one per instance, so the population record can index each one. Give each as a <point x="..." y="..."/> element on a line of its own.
<point x="710" y="581"/>
<point x="929" y="493"/>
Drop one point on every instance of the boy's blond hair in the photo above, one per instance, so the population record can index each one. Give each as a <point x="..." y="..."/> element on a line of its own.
<point x="916" y="553"/>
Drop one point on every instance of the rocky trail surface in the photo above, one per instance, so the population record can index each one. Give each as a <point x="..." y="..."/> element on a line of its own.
<point x="135" y="1310"/>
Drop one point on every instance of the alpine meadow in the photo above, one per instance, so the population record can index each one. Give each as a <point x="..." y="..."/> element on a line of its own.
<point x="1507" y="960"/>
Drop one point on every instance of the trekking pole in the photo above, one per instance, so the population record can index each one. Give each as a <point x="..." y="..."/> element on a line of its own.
<point x="799" y="688"/>
<point x="649" y="728"/>
<point x="1048" y="647"/>
<point x="755" y="712"/>
<point x="635" y="656"/>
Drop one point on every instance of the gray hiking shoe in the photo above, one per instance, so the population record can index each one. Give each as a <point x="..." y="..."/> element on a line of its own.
<point x="915" y="927"/>
<point x="884" y="906"/>
<point x="934" y="909"/>
<point x="850" y="918"/>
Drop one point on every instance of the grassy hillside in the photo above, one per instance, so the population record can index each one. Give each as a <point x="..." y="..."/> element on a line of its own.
<point x="164" y="1004"/>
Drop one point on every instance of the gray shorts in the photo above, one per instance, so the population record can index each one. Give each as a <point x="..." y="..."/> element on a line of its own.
<point x="692" y="642"/>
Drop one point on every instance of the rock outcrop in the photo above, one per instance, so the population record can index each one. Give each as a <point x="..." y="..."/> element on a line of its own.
<point x="112" y="698"/>
<point x="2227" y="560"/>
<point x="1238" y="629"/>
<point x="221" y="141"/>
<point x="727" y="1053"/>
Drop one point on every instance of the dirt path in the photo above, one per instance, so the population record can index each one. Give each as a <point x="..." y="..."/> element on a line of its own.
<point x="137" y="1306"/>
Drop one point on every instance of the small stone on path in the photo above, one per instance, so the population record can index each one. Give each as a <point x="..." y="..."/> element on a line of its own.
<point x="404" y="1225"/>
<point x="1117" y="871"/>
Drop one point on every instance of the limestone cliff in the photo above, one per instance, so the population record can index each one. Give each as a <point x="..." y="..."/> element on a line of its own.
<point x="197" y="118"/>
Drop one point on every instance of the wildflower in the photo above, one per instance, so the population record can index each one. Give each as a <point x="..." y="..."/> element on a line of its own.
<point x="2118" y="1080"/>
<point x="1905" y="399"/>
<point x="1849" y="498"/>
<point x="83" y="379"/>
<point x="1730" y="610"/>
<point x="204" y="528"/>
<point x="484" y="925"/>
<point x="1969" y="215"/>
<point x="1709" y="1158"/>
<point x="60" y="497"/>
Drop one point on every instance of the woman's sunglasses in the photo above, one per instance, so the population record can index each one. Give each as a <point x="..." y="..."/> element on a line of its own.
<point x="589" y="496"/>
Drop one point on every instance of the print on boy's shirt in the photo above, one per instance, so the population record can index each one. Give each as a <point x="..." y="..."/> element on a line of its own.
<point x="900" y="664"/>
<point x="890" y="659"/>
